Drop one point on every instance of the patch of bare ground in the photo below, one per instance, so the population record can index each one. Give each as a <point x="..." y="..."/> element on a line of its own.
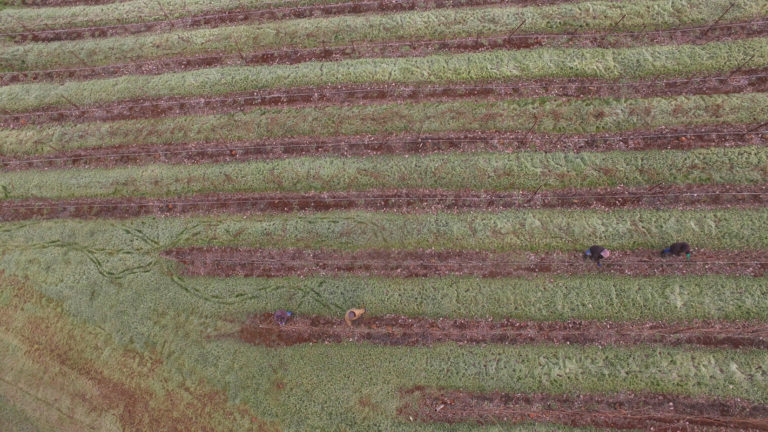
<point x="743" y="81"/>
<point x="407" y="331"/>
<point x="674" y="138"/>
<point x="406" y="201"/>
<point x="416" y="48"/>
<point x="230" y="261"/>
<point x="643" y="411"/>
<point x="278" y="10"/>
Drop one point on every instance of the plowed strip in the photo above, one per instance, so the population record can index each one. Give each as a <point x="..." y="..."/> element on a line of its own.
<point x="416" y="48"/>
<point x="400" y="330"/>
<point x="678" y="197"/>
<point x="258" y="15"/>
<point x="226" y="262"/>
<point x="657" y="412"/>
<point x="679" y="138"/>
<point x="736" y="82"/>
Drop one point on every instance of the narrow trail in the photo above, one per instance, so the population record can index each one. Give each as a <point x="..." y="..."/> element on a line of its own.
<point x="411" y="201"/>
<point x="745" y="81"/>
<point x="398" y="49"/>
<point x="656" y="412"/>
<point x="675" y="138"/>
<point x="231" y="261"/>
<point x="405" y="331"/>
<point x="278" y="11"/>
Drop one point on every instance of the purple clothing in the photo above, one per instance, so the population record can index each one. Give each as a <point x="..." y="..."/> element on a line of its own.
<point x="281" y="316"/>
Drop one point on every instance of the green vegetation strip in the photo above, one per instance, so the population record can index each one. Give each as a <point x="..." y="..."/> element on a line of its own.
<point x="535" y="115"/>
<point x="527" y="230"/>
<point x="424" y="25"/>
<point x="595" y="297"/>
<point x="125" y="12"/>
<point x="478" y="171"/>
<point x="626" y="63"/>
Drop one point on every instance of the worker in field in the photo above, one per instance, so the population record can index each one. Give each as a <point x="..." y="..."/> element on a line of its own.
<point x="596" y="253"/>
<point x="282" y="316"/>
<point x="677" y="249"/>
<point x="352" y="315"/>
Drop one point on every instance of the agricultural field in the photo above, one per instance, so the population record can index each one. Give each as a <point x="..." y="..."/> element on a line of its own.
<point x="174" y="172"/>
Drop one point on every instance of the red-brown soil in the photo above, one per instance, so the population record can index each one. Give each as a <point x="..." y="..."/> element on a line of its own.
<point x="411" y="201"/>
<point x="655" y="412"/>
<point x="736" y="82"/>
<point x="416" y="48"/>
<point x="229" y="261"/>
<point x="280" y="10"/>
<point x="676" y="138"/>
<point x="401" y="330"/>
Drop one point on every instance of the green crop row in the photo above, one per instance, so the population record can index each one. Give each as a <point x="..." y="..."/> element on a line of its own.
<point x="540" y="115"/>
<point x="345" y="30"/>
<point x="16" y="20"/>
<point x="477" y="171"/>
<point x="521" y="230"/>
<point x="626" y="63"/>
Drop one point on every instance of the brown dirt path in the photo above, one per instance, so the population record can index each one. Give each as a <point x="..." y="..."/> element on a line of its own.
<point x="656" y="412"/>
<point x="410" y="201"/>
<point x="278" y="11"/>
<point x="677" y="138"/>
<point x="406" y="331"/>
<point x="748" y="81"/>
<point x="415" y="48"/>
<point x="230" y="261"/>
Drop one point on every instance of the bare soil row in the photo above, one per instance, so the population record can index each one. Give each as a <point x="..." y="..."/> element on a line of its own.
<point x="275" y="13"/>
<point x="677" y="138"/>
<point x="412" y="201"/>
<point x="748" y="81"/>
<point x="655" y="412"/>
<point x="248" y="262"/>
<point x="407" y="331"/>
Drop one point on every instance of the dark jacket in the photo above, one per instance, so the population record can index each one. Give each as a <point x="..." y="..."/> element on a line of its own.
<point x="594" y="253"/>
<point x="677" y="249"/>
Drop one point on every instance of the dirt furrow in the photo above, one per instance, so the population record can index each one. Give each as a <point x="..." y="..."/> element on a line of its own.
<point x="677" y="138"/>
<point x="671" y="197"/>
<point x="656" y="412"/>
<point x="417" y="48"/>
<point x="240" y="16"/>
<point x="737" y="82"/>
<point x="406" y="331"/>
<point x="229" y="261"/>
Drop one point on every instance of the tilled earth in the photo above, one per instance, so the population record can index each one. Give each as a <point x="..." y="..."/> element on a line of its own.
<point x="655" y="412"/>
<point x="228" y="261"/>
<point x="407" y="331"/>
<point x="410" y="201"/>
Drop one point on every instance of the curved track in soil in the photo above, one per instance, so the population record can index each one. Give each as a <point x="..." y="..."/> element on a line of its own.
<point x="672" y="197"/>
<point x="416" y="48"/>
<point x="406" y="331"/>
<point x="751" y="81"/>
<point x="240" y="16"/>
<point x="230" y="261"/>
<point x="656" y="412"/>
<point x="676" y="138"/>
